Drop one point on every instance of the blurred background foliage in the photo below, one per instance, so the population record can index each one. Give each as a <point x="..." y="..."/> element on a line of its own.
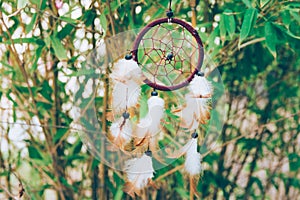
<point x="255" y="45"/>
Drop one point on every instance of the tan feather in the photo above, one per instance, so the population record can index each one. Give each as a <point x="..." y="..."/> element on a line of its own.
<point x="195" y="112"/>
<point x="121" y="132"/>
<point x="139" y="174"/>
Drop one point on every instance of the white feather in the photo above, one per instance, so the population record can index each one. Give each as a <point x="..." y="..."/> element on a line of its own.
<point x="139" y="171"/>
<point x="150" y="124"/>
<point x="121" y="131"/>
<point x="192" y="164"/>
<point x="125" y="95"/>
<point x="196" y="111"/>
<point x="127" y="78"/>
<point x="200" y="87"/>
<point x="125" y="70"/>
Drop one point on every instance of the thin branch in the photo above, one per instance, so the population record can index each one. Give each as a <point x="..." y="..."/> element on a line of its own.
<point x="252" y="42"/>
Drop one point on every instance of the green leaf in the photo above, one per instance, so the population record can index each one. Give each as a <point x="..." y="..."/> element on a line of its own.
<point x="286" y="31"/>
<point x="229" y="23"/>
<point x="222" y="28"/>
<point x="36" y="2"/>
<point x="59" y="134"/>
<point x="182" y="192"/>
<point x="36" y="57"/>
<point x="68" y="20"/>
<point x="247" y="3"/>
<point x="119" y="194"/>
<point x="294" y="161"/>
<point x="34" y="153"/>
<point x="47" y="41"/>
<point x="65" y="31"/>
<point x="248" y="23"/>
<point x="270" y="35"/>
<point x="76" y="148"/>
<point x="22" y="4"/>
<point x="89" y="17"/>
<point x="30" y="26"/>
<point x="59" y="49"/>
<point x="263" y="2"/>
<point x="23" y="40"/>
<point x="103" y="21"/>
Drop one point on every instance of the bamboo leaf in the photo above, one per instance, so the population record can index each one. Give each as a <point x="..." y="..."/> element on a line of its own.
<point x="270" y="35"/>
<point x="34" y="153"/>
<point x="59" y="49"/>
<point x="248" y="23"/>
<point x="229" y="23"/>
<point x="103" y="22"/>
<point x="222" y="28"/>
<point x="30" y="26"/>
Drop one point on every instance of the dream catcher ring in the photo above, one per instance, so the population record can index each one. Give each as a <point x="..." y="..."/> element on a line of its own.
<point x="170" y="53"/>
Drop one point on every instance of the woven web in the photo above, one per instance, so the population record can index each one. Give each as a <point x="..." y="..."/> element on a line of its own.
<point x="154" y="52"/>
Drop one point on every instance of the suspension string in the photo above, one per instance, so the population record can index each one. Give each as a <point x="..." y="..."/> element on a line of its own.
<point x="126" y="99"/>
<point x="170" y="12"/>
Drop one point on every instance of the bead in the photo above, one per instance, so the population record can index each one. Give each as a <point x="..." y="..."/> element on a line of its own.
<point x="169" y="14"/>
<point x="194" y="135"/>
<point x="148" y="153"/>
<point x="200" y="73"/>
<point x="154" y="93"/>
<point x="126" y="115"/>
<point x="170" y="56"/>
<point x="128" y="56"/>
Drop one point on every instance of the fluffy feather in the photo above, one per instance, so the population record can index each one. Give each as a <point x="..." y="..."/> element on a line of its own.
<point x="139" y="174"/>
<point x="192" y="164"/>
<point x="125" y="70"/>
<point x="125" y="95"/>
<point x="200" y="87"/>
<point x="121" y="132"/>
<point x="149" y="126"/>
<point x="127" y="78"/>
<point x="196" y="111"/>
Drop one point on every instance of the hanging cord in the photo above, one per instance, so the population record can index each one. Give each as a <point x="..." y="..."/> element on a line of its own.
<point x="170" y="12"/>
<point x="193" y="8"/>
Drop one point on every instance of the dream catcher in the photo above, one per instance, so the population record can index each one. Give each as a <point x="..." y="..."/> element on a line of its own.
<point x="167" y="55"/>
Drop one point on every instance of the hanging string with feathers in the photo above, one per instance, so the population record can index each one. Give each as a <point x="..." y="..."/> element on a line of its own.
<point x="192" y="163"/>
<point x="127" y="78"/>
<point x="139" y="173"/>
<point x="197" y="109"/>
<point x="149" y="126"/>
<point x="121" y="130"/>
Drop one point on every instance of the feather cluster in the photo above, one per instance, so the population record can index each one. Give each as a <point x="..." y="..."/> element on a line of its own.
<point x="200" y="87"/>
<point x="149" y="126"/>
<point x="121" y="131"/>
<point x="139" y="174"/>
<point x="127" y="78"/>
<point x="192" y="164"/>
<point x="197" y="109"/>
